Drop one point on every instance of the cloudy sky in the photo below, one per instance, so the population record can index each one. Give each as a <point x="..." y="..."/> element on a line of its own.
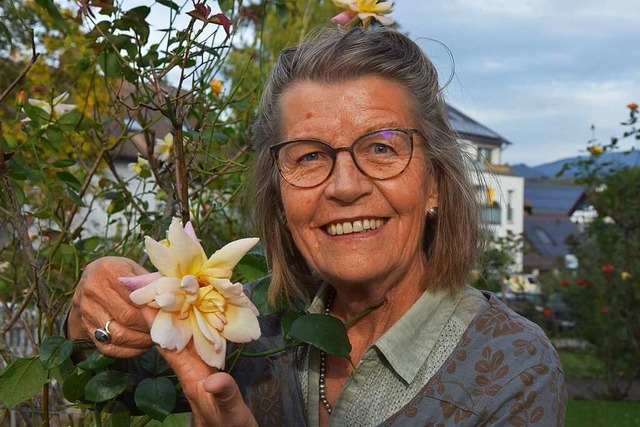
<point x="538" y="72"/>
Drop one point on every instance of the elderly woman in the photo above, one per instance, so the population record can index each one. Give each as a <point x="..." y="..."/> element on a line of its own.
<point x="363" y="199"/>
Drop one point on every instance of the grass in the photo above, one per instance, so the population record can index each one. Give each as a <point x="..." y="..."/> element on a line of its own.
<point x="581" y="364"/>
<point x="597" y="413"/>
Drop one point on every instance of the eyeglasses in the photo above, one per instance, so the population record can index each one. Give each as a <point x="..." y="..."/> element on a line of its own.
<point x="381" y="154"/>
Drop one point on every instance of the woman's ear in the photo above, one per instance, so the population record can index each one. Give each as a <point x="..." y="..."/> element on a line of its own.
<point x="432" y="202"/>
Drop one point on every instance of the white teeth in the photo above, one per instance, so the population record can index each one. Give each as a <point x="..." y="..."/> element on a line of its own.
<point x="354" y="227"/>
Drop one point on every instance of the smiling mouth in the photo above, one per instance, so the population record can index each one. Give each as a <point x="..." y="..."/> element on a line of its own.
<point x="359" y="226"/>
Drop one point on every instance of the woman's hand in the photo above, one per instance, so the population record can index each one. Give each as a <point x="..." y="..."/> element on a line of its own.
<point x="214" y="396"/>
<point x="100" y="298"/>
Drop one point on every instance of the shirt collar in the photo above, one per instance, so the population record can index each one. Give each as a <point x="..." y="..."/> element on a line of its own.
<point x="408" y="343"/>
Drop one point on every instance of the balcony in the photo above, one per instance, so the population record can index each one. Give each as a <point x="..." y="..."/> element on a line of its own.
<point x="491" y="215"/>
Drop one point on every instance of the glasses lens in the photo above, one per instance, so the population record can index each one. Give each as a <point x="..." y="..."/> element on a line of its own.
<point x="305" y="163"/>
<point x="383" y="154"/>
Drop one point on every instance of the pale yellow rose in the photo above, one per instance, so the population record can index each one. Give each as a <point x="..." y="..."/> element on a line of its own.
<point x="195" y="296"/>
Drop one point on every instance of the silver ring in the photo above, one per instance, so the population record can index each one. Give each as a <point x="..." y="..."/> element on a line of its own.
<point x="103" y="335"/>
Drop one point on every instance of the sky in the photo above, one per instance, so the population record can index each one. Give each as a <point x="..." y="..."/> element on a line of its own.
<point x="538" y="72"/>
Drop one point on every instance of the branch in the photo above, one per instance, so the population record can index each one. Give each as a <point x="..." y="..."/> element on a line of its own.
<point x="34" y="57"/>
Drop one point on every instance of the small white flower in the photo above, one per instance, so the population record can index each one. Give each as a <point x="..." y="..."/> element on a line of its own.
<point x="141" y="167"/>
<point x="164" y="148"/>
<point x="55" y="108"/>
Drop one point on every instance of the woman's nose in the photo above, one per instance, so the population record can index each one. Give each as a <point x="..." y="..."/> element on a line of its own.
<point x="347" y="183"/>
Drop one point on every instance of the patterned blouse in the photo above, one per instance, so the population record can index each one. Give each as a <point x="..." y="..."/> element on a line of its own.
<point x="501" y="371"/>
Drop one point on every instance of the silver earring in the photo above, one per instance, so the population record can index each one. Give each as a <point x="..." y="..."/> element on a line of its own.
<point x="431" y="213"/>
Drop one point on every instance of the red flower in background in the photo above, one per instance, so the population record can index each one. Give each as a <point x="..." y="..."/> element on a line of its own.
<point x="633" y="106"/>
<point x="565" y="283"/>
<point x="605" y="310"/>
<point x="547" y="312"/>
<point x="580" y="282"/>
<point x="608" y="270"/>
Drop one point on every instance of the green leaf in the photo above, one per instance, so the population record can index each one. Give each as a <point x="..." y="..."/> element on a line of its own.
<point x="118" y="415"/>
<point x="106" y="386"/>
<point x="53" y="11"/>
<point x="22" y="380"/>
<point x="54" y="351"/>
<point x="327" y="333"/>
<point x="69" y="179"/>
<point x="260" y="299"/>
<point x="252" y="267"/>
<point x="156" y="397"/>
<point x="37" y="115"/>
<point x="96" y="361"/>
<point x="75" y="121"/>
<point x="75" y="197"/>
<point x="110" y="64"/>
<point x="287" y="320"/>
<point x="5" y="36"/>
<point x="225" y="5"/>
<point x="54" y="135"/>
<point x="64" y="163"/>
<point x="169" y="4"/>
<point x="74" y="385"/>
<point x="152" y="362"/>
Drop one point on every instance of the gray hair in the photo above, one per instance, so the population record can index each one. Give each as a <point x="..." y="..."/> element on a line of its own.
<point x="334" y="55"/>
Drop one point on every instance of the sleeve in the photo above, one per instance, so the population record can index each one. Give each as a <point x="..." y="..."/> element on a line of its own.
<point x="535" y="397"/>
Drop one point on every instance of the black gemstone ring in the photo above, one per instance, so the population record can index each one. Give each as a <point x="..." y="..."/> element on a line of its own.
<point x="102" y="334"/>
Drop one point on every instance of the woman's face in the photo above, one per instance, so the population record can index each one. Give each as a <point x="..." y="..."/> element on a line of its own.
<point x="339" y="113"/>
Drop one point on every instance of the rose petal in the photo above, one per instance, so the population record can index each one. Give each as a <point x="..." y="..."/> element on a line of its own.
<point x="136" y="282"/>
<point x="148" y="293"/>
<point x="161" y="257"/>
<point x="191" y="232"/>
<point x="209" y="331"/>
<point x="170" y="302"/>
<point x="188" y="254"/>
<point x="228" y="256"/>
<point x="205" y="349"/>
<point x="242" y="325"/>
<point x="170" y="332"/>
<point x="343" y="18"/>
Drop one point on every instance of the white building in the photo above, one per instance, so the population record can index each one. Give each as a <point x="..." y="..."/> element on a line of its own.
<point x="501" y="192"/>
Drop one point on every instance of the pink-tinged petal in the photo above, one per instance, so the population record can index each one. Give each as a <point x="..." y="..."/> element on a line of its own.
<point x="170" y="332"/>
<point x="343" y="18"/>
<point x="242" y="325"/>
<point x="384" y="20"/>
<point x="148" y="293"/>
<point x="136" y="282"/>
<point x="229" y="255"/>
<point x="205" y="349"/>
<point x="170" y="302"/>
<point x="162" y="258"/>
<point x="167" y="285"/>
<point x="188" y="254"/>
<point x="190" y="231"/>
<point x="189" y="284"/>
<point x="215" y="321"/>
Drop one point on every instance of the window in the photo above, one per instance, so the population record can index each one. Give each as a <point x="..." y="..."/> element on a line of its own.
<point x="510" y="206"/>
<point x="484" y="155"/>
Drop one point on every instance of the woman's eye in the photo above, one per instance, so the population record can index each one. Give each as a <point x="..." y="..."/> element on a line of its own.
<point x="379" y="148"/>
<point x="310" y="157"/>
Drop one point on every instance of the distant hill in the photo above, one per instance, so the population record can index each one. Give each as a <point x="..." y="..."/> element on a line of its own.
<point x="551" y="169"/>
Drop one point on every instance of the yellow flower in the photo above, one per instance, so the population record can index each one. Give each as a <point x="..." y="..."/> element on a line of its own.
<point x="595" y="150"/>
<point x="194" y="295"/>
<point x="625" y="275"/>
<point x="55" y="108"/>
<point x="216" y="87"/>
<point x="365" y="10"/>
<point x="141" y="167"/>
<point x="164" y="148"/>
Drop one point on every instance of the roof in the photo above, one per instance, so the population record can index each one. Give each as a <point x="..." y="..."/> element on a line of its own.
<point x="465" y="125"/>
<point x="548" y="235"/>
<point x="553" y="199"/>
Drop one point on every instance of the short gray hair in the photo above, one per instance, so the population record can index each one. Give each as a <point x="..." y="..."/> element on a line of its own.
<point x="336" y="55"/>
